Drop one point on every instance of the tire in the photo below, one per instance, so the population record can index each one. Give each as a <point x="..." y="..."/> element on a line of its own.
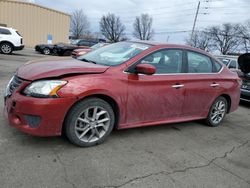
<point x="46" y="51"/>
<point x="217" y="112"/>
<point x="6" y="48"/>
<point x="89" y="122"/>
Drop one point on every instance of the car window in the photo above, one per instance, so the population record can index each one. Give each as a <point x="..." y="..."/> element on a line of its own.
<point x="18" y="33"/>
<point x="86" y="43"/>
<point x="5" y="31"/>
<point x="165" y="61"/>
<point x="232" y="64"/>
<point x="83" y="43"/>
<point x="198" y="63"/>
<point x="217" y="66"/>
<point x="225" y="61"/>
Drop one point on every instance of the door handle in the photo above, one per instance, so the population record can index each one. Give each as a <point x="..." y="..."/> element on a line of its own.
<point x="214" y="85"/>
<point x="177" y="86"/>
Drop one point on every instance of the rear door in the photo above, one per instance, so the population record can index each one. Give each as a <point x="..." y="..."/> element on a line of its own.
<point x="202" y="84"/>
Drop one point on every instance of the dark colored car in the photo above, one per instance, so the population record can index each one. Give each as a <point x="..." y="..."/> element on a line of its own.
<point x="66" y="49"/>
<point x="123" y="85"/>
<point x="47" y="49"/>
<point x="245" y="87"/>
<point x="81" y="51"/>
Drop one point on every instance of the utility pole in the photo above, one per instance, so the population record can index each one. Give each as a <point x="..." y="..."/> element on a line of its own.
<point x="167" y="38"/>
<point x="195" y="19"/>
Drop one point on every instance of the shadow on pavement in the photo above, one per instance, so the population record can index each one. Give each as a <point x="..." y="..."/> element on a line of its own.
<point x="245" y="104"/>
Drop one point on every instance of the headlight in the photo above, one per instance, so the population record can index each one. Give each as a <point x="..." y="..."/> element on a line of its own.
<point x="44" y="88"/>
<point x="7" y="90"/>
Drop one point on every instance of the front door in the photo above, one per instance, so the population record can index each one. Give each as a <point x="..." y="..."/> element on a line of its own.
<point x="157" y="97"/>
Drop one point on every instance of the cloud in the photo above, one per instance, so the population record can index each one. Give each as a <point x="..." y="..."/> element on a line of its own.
<point x="168" y="16"/>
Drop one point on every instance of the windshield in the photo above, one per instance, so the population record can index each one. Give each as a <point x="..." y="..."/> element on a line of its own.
<point x="115" y="54"/>
<point x="96" y="46"/>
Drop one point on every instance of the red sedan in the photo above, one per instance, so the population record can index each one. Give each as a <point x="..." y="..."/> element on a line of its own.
<point x="124" y="85"/>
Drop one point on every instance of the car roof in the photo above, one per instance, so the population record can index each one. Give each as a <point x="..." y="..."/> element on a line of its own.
<point x="167" y="45"/>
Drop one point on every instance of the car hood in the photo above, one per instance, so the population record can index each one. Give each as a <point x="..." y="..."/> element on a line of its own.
<point x="55" y="67"/>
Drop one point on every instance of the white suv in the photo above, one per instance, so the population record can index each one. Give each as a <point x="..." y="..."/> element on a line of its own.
<point x="10" y="40"/>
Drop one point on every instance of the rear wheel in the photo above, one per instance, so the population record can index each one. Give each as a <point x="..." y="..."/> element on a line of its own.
<point x="89" y="122"/>
<point x="6" y="48"/>
<point x="217" y="112"/>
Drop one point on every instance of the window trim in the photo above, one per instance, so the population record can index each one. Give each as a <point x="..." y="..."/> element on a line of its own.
<point x="184" y="64"/>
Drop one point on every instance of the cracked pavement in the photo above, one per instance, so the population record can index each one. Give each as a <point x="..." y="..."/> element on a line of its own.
<point x="179" y="155"/>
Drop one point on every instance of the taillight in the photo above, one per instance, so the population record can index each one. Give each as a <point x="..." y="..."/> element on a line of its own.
<point x="21" y="41"/>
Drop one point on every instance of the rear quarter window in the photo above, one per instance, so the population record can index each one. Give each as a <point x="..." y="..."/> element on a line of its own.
<point x="199" y="63"/>
<point x="217" y="66"/>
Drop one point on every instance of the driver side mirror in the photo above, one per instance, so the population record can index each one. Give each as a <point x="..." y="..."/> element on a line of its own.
<point x="145" y="69"/>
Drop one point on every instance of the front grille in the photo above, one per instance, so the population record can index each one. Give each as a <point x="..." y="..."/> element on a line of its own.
<point x="13" y="85"/>
<point x="32" y="121"/>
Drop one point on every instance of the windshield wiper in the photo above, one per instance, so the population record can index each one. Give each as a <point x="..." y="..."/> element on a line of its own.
<point x="86" y="60"/>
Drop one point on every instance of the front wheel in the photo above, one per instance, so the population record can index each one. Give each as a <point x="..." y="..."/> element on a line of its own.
<point x="217" y="112"/>
<point x="89" y="122"/>
<point x="46" y="51"/>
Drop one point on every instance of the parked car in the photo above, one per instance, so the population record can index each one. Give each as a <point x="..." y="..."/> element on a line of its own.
<point x="10" y="40"/>
<point x="229" y="61"/>
<point x="245" y="87"/>
<point x="46" y="48"/>
<point x="81" y="51"/>
<point x="67" y="49"/>
<point x="123" y="85"/>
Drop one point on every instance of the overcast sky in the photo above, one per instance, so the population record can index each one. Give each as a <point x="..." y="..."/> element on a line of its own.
<point x="172" y="20"/>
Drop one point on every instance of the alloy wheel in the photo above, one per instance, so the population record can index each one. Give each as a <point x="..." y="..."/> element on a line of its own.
<point x="218" y="112"/>
<point x="92" y="124"/>
<point x="6" y="48"/>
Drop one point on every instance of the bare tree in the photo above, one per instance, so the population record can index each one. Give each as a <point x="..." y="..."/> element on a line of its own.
<point x="79" y="24"/>
<point x="226" y="38"/>
<point x="245" y="32"/>
<point x="200" y="39"/>
<point x="143" y="27"/>
<point x="112" y="28"/>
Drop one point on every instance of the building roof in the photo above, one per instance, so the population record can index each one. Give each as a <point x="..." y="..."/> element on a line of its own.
<point x="36" y="5"/>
